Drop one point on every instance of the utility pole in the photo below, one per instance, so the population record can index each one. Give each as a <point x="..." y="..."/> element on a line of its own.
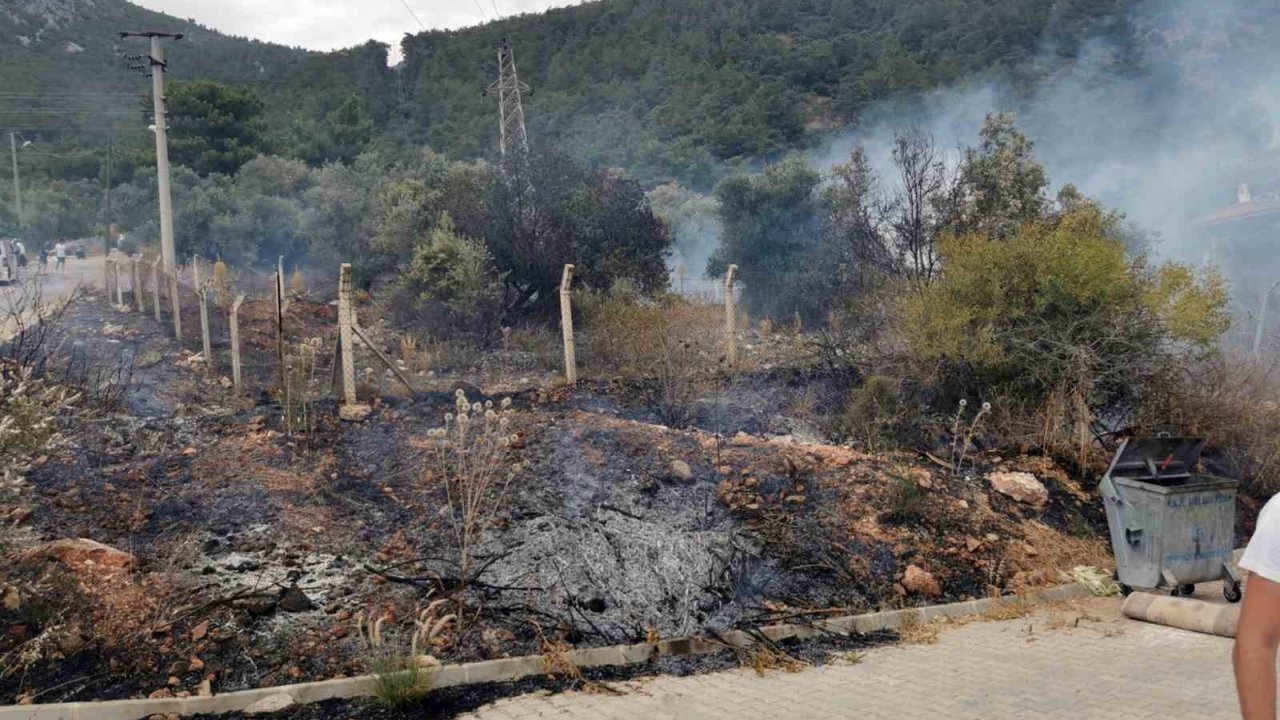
<point x="17" y="187"/>
<point x="107" y="238"/>
<point x="156" y="68"/>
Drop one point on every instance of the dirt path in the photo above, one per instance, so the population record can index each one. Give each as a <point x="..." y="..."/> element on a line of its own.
<point x="1077" y="661"/>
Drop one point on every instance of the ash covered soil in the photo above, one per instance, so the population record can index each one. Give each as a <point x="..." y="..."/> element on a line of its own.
<point x="246" y="554"/>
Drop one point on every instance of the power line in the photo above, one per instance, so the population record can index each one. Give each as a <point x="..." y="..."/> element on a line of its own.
<point x="496" y="11"/>
<point x="405" y="3"/>
<point x="484" y="15"/>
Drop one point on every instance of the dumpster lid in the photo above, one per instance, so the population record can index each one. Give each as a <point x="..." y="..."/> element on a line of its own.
<point x="1156" y="459"/>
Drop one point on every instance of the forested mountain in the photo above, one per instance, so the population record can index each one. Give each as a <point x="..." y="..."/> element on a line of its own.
<point x="665" y="88"/>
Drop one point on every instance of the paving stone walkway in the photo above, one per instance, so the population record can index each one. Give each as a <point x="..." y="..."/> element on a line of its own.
<point x="1080" y="660"/>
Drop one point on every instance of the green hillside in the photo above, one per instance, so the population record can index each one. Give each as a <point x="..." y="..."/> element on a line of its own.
<point x="677" y="89"/>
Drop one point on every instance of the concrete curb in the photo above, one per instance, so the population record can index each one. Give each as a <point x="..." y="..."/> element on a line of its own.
<point x="508" y="669"/>
<point x="1185" y="613"/>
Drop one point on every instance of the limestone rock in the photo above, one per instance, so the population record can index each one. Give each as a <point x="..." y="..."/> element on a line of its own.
<point x="1021" y="486"/>
<point x="680" y="470"/>
<point x="270" y="704"/>
<point x="919" y="581"/>
<point x="82" y="551"/>
<point x="354" y="413"/>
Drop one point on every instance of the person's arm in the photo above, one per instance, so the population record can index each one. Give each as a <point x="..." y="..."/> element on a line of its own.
<point x="1257" y="638"/>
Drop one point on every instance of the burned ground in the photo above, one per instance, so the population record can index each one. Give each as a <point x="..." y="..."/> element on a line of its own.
<point x="256" y="550"/>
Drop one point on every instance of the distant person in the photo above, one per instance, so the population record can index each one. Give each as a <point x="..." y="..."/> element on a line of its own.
<point x="60" y="253"/>
<point x="1258" y="632"/>
<point x="22" y="253"/>
<point x="44" y="257"/>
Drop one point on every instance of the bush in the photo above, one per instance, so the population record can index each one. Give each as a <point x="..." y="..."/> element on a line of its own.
<point x="1060" y="321"/>
<point x="456" y="275"/>
<point x="906" y="501"/>
<point x="871" y="413"/>
<point x="667" y="340"/>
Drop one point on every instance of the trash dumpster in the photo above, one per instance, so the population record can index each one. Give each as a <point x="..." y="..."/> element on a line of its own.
<point x="1170" y="527"/>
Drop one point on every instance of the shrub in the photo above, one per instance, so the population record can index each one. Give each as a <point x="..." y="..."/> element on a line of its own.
<point x="906" y="501"/>
<point x="668" y="340"/>
<point x="1061" y="321"/>
<point x="28" y="411"/>
<point x="871" y="413"/>
<point x="457" y="274"/>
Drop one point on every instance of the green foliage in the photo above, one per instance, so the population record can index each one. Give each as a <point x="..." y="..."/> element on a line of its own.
<point x="457" y="273"/>
<point x="215" y="128"/>
<point x="399" y="683"/>
<point x="906" y="501"/>
<point x="872" y="412"/>
<point x="772" y="223"/>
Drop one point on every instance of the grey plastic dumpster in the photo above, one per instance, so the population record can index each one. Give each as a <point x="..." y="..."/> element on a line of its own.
<point x="1170" y="527"/>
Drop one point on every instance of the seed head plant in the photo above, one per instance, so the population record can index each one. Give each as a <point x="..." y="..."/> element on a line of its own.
<point x="470" y="458"/>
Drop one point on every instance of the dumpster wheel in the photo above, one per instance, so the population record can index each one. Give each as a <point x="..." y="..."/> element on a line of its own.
<point x="1231" y="592"/>
<point x="1186" y="590"/>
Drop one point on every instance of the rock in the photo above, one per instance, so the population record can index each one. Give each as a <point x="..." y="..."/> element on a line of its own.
<point x="161" y="693"/>
<point x="681" y="471"/>
<point x="354" y="413"/>
<point x="199" y="631"/>
<point x="294" y="600"/>
<point x="920" y="582"/>
<point x="195" y="665"/>
<point x="1030" y="550"/>
<point x="205" y="688"/>
<point x="971" y="544"/>
<point x="270" y="704"/>
<point x="12" y="598"/>
<point x="992" y="537"/>
<point x="962" y="504"/>
<point x="258" y="606"/>
<point x="426" y="662"/>
<point x="81" y="552"/>
<point x="742" y="440"/>
<point x="179" y="667"/>
<point x="1021" y="486"/>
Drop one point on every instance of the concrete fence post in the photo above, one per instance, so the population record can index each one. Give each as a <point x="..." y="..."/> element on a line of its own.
<point x="136" y="276"/>
<point x="203" y="295"/>
<point x="109" y="278"/>
<point x="234" y="320"/>
<point x="346" y="335"/>
<point x="730" y="319"/>
<point x="177" y="309"/>
<point x="566" y="325"/>
<point x="155" y="287"/>
<point x="115" y="280"/>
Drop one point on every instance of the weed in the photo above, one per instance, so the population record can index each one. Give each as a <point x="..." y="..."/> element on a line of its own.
<point x="906" y="501"/>
<point x="914" y="631"/>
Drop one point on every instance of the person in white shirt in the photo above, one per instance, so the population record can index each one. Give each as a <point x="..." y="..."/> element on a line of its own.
<point x="1258" y="633"/>
<point x="60" y="252"/>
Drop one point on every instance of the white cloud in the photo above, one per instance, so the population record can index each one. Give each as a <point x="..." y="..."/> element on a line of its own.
<point x="334" y="24"/>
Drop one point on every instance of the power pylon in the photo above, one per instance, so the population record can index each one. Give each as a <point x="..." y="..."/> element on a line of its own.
<point x="510" y="109"/>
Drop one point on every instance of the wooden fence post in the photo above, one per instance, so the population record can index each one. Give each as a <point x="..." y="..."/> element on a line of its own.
<point x="346" y="339"/>
<point x="566" y="325"/>
<point x="280" y="319"/>
<point x="177" y="310"/>
<point x="203" y="295"/>
<point x="730" y="319"/>
<point x="234" y="320"/>
<point x="155" y="287"/>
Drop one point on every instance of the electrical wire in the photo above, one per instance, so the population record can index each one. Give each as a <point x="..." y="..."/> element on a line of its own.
<point x="405" y="3"/>
<point x="484" y="15"/>
<point x="496" y="11"/>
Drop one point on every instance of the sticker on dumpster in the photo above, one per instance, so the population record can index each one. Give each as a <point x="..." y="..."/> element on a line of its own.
<point x="1176" y="559"/>
<point x="1178" y="501"/>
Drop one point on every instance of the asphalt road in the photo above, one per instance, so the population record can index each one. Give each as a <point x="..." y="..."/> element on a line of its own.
<point x="39" y="289"/>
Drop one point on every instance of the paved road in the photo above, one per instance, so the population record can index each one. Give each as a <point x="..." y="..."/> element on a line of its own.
<point x="1077" y="661"/>
<point x="49" y="286"/>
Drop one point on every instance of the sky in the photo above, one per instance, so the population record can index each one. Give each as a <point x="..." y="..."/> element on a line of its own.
<point x="334" y="24"/>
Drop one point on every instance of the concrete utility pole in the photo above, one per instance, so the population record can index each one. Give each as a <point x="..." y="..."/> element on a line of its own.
<point x="107" y="237"/>
<point x="157" y="67"/>
<point x="17" y="187"/>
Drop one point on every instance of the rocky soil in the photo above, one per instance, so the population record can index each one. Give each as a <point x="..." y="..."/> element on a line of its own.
<point x="183" y="542"/>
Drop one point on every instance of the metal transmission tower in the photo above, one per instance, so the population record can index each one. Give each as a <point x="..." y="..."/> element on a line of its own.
<point x="510" y="109"/>
<point x="155" y="66"/>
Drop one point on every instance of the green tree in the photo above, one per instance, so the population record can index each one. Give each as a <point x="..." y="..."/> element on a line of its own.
<point x="214" y="128"/>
